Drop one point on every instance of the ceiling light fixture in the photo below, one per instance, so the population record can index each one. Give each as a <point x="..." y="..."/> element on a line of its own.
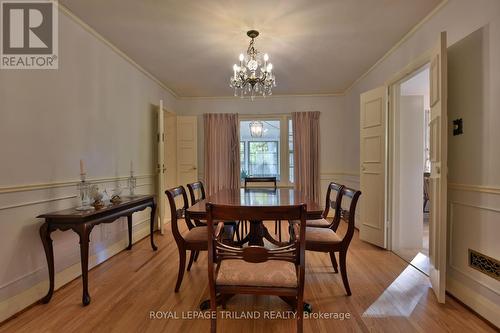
<point x="256" y="129"/>
<point x="254" y="75"/>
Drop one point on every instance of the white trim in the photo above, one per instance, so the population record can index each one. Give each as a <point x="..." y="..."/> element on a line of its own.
<point x="67" y="183"/>
<point x="452" y="222"/>
<point x="489" y="310"/>
<point x="474" y="188"/>
<point x="332" y="94"/>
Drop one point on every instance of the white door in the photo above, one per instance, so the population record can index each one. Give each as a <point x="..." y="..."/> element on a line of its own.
<point x="439" y="168"/>
<point x="187" y="153"/>
<point x="160" y="167"/>
<point x="372" y="170"/>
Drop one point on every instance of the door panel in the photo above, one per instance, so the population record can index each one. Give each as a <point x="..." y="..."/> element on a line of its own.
<point x="160" y="167"/>
<point x="187" y="152"/>
<point x="372" y="173"/>
<point x="438" y="178"/>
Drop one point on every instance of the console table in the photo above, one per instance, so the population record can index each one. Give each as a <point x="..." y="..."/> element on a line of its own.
<point x="82" y="222"/>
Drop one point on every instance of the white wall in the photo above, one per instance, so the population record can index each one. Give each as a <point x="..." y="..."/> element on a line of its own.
<point x="96" y="106"/>
<point x="474" y="159"/>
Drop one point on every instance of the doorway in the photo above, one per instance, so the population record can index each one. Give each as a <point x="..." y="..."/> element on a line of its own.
<point x="411" y="168"/>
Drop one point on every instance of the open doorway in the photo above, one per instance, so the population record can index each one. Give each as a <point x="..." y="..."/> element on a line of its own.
<point x="411" y="169"/>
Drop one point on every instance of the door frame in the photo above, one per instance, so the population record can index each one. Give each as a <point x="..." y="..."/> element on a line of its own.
<point x="393" y="83"/>
<point x="393" y="146"/>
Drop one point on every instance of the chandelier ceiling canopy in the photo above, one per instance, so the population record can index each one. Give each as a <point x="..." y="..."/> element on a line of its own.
<point x="254" y="74"/>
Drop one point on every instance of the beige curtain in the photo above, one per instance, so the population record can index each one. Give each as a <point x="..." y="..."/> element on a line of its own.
<point x="306" y="153"/>
<point x="222" y="151"/>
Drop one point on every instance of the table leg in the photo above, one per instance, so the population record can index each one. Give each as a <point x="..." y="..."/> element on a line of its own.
<point x="256" y="234"/>
<point x="84" y="233"/>
<point x="49" y="254"/>
<point x="129" y="223"/>
<point x="152" y="225"/>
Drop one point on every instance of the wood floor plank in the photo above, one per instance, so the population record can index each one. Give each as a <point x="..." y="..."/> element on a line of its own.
<point x="388" y="296"/>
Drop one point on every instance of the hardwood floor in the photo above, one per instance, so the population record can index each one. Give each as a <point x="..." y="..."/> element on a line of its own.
<point x="388" y="296"/>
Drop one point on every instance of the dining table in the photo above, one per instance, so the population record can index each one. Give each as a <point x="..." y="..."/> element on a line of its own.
<point x="256" y="197"/>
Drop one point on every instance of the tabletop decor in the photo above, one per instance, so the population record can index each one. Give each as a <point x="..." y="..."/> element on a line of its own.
<point x="132" y="181"/>
<point x="83" y="191"/>
<point x="97" y="197"/>
<point x="115" y="197"/>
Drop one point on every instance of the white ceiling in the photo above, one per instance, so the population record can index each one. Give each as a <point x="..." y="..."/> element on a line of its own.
<point x="316" y="46"/>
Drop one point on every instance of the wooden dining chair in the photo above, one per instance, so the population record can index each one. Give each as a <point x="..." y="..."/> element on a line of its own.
<point x="328" y="240"/>
<point x="273" y="181"/>
<point x="195" y="240"/>
<point x="334" y="189"/>
<point x="197" y="187"/>
<point x="256" y="269"/>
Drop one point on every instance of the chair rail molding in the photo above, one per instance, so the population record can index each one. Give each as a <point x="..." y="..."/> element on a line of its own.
<point x="57" y="184"/>
<point x="474" y="188"/>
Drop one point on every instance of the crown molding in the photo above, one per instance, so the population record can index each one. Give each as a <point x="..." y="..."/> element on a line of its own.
<point x="96" y="34"/>
<point x="122" y="54"/>
<point x="333" y="94"/>
<point x="398" y="44"/>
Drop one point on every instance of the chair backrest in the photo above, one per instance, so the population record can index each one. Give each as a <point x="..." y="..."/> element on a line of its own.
<point x="218" y="251"/>
<point x="334" y="189"/>
<point x="193" y="188"/>
<point x="178" y="213"/>
<point x="261" y="180"/>
<point x="349" y="216"/>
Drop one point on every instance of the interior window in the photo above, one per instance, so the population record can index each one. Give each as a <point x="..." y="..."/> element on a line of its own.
<point x="260" y="148"/>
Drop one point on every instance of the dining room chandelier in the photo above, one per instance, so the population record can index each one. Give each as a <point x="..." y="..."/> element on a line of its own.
<point x="254" y="74"/>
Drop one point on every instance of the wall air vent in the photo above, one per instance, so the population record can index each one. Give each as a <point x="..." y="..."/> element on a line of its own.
<point x="484" y="264"/>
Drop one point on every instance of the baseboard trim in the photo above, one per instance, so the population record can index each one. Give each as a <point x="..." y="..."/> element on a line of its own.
<point x="13" y="306"/>
<point x="456" y="299"/>
<point x="478" y="304"/>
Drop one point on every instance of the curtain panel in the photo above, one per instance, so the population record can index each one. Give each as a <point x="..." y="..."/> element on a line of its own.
<point x="222" y="151"/>
<point x="306" y="153"/>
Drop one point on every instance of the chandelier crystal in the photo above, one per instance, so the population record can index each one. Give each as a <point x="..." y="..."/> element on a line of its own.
<point x="254" y="74"/>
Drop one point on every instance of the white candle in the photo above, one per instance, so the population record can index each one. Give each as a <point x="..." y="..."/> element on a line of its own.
<point x="81" y="168"/>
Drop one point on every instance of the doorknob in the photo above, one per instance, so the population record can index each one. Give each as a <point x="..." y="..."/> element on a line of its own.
<point x="194" y="168"/>
<point x="363" y="167"/>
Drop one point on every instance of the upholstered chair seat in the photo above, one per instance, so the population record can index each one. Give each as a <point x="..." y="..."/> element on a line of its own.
<point x="318" y="223"/>
<point x="272" y="273"/>
<point x="198" y="234"/>
<point x="322" y="235"/>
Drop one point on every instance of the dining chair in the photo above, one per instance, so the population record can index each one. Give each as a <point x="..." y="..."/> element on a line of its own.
<point x="320" y="239"/>
<point x="334" y="189"/>
<point x="197" y="187"/>
<point x="256" y="269"/>
<point x="195" y="240"/>
<point x="273" y="181"/>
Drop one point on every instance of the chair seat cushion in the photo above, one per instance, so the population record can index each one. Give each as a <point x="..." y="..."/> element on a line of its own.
<point x="198" y="234"/>
<point x="322" y="235"/>
<point x="272" y="273"/>
<point x="318" y="223"/>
